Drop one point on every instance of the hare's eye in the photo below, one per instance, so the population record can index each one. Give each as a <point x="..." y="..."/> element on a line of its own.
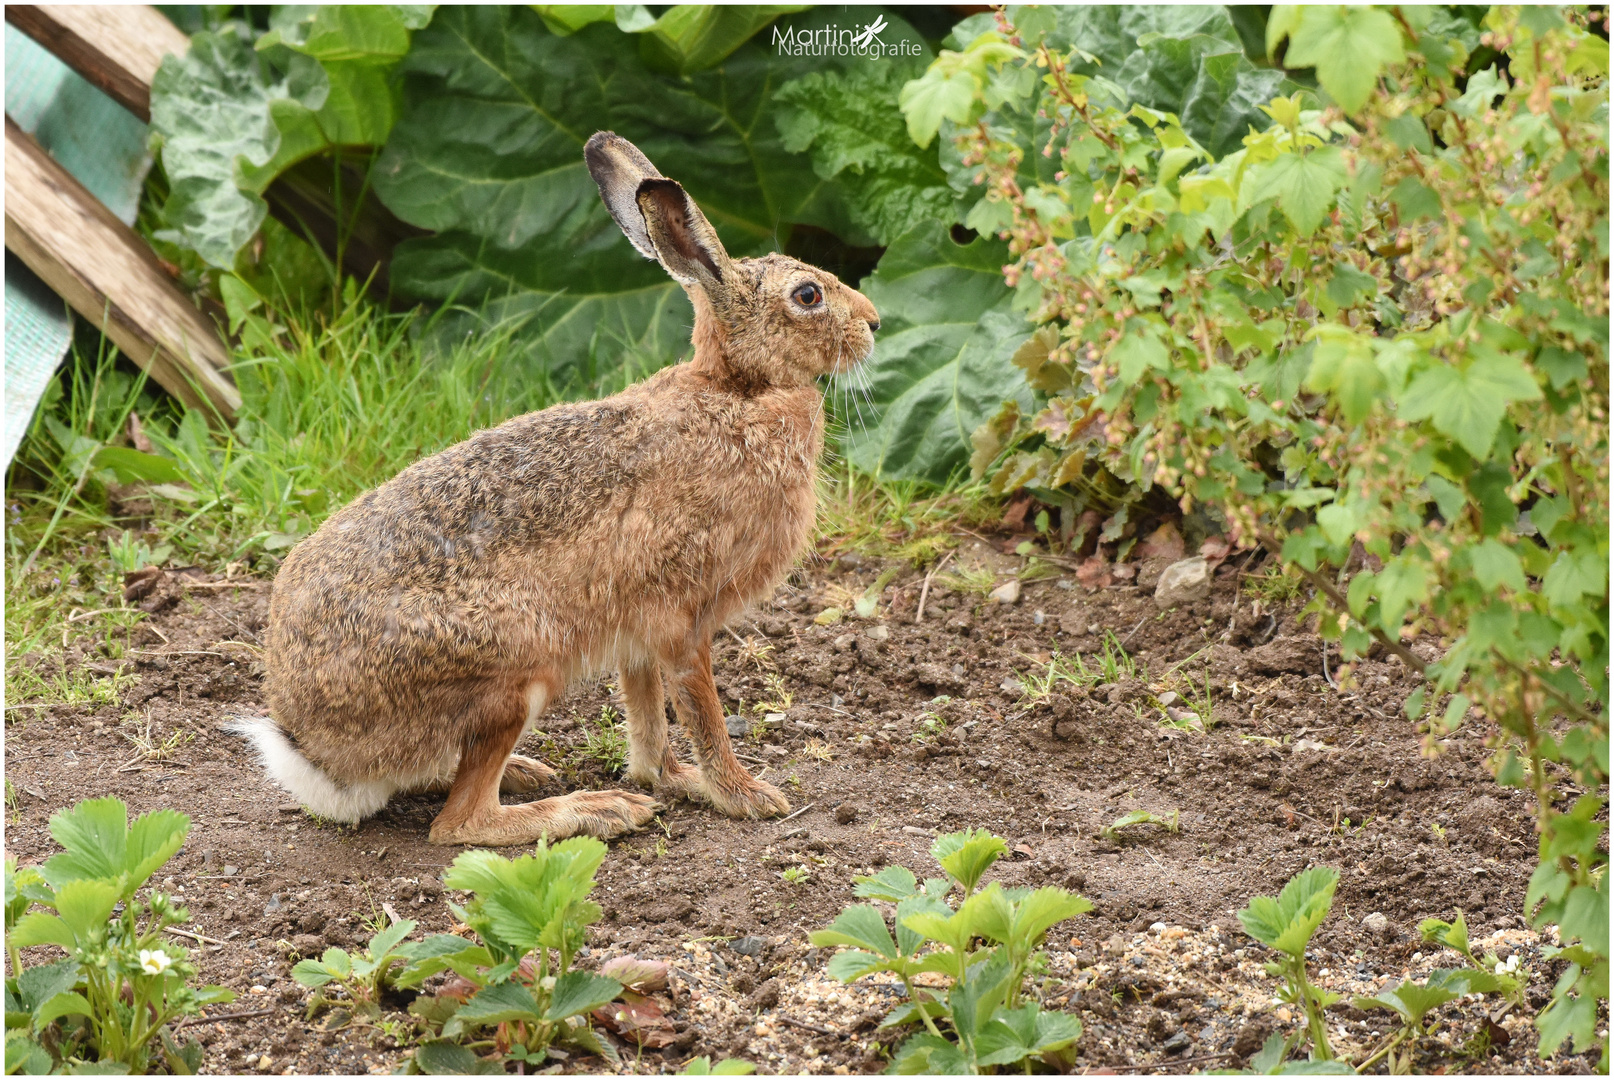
<point x="808" y="295"/>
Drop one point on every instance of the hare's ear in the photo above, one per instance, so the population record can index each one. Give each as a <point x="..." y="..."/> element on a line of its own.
<point x="618" y="168"/>
<point x="684" y="240"/>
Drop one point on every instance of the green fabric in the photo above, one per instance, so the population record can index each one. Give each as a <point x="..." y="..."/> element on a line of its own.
<point x="101" y="144"/>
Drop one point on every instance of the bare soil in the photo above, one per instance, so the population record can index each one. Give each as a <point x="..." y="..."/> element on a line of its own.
<point x="892" y="731"/>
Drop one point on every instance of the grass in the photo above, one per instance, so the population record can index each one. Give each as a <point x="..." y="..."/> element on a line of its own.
<point x="897" y="519"/>
<point x="1275" y="585"/>
<point x="604" y="741"/>
<point x="1112" y="664"/>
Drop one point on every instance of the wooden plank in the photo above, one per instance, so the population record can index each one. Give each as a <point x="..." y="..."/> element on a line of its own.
<point x="115" y="47"/>
<point x="107" y="273"/>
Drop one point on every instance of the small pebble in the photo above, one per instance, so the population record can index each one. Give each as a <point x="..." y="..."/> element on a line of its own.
<point x="878" y="633"/>
<point x="1007" y="593"/>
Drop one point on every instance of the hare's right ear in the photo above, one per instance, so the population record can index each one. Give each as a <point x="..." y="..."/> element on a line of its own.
<point x="618" y="168"/>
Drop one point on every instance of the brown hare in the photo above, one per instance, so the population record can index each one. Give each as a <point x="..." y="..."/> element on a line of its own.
<point x="425" y="627"/>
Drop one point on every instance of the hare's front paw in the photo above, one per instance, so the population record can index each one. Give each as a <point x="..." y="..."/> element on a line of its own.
<point x="746" y="797"/>
<point x="523" y="774"/>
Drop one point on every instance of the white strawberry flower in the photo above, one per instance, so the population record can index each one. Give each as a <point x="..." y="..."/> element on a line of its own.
<point x="155" y="961"/>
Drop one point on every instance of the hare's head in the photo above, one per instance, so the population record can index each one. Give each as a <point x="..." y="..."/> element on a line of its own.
<point x="769" y="321"/>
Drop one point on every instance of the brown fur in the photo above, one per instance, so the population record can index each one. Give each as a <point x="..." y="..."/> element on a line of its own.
<point x="421" y="630"/>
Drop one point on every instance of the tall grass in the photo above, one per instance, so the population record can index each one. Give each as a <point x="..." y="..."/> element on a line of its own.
<point x="331" y="405"/>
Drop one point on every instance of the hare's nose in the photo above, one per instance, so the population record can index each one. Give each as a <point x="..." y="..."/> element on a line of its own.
<point x="874" y="324"/>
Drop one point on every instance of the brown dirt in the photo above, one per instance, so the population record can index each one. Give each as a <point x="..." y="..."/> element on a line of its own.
<point x="877" y="764"/>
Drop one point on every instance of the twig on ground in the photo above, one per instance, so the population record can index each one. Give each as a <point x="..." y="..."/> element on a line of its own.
<point x="1134" y="632"/>
<point x="194" y="936"/>
<point x="224" y="1016"/>
<point x="798" y="813"/>
<point x="924" y="590"/>
<point x="1170" y="1064"/>
<point x="804" y="1025"/>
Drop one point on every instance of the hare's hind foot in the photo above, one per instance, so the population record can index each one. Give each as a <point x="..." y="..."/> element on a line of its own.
<point x="582" y="813"/>
<point x="744" y="796"/>
<point x="523" y="774"/>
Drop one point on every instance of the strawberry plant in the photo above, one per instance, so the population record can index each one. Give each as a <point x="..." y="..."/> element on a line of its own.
<point x="1412" y="1001"/>
<point x="1506" y="976"/>
<point x="1286" y="923"/>
<point x="106" y="1006"/>
<point x="984" y="947"/>
<point x="1375" y="322"/>
<point x="516" y="993"/>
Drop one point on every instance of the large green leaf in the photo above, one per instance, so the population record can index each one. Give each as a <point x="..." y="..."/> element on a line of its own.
<point x="967" y="855"/>
<point x="1348" y="45"/>
<point x="850" y="125"/>
<point x="940" y="367"/>
<point x="861" y="926"/>
<point x="229" y="116"/>
<point x="99" y="843"/>
<point x="1468" y="404"/>
<point x="1303" y="183"/>
<point x="577" y="992"/>
<point x="1016" y="1034"/>
<point x="489" y="154"/>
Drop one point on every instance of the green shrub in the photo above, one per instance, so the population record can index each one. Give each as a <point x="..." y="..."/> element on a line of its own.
<point x="983" y="1020"/>
<point x="108" y="1004"/>
<point x="1378" y="322"/>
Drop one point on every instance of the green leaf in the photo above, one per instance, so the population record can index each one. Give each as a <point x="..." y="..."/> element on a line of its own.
<point x="1287" y="923"/>
<point x="578" y="992"/>
<point x="1453" y="935"/>
<point x="849" y="965"/>
<point x="1410" y="1000"/>
<point x="42" y="982"/>
<point x="1304" y="185"/>
<point x="1349" y="46"/>
<point x="942" y="93"/>
<point x="387" y="940"/>
<point x="66" y="1003"/>
<point x="1468" y="405"/>
<point x="133" y="466"/>
<point x="25" y="1056"/>
<point x="1586" y="916"/>
<point x="100" y="843"/>
<point x="967" y="855"/>
<point x="938" y="370"/>
<point x="1343" y="365"/>
<point x="693" y="37"/>
<point x="1496" y="566"/>
<point x="849" y="125"/>
<point x="496" y="1004"/>
<point x="229" y="118"/>
<point x="894" y="884"/>
<point x="1136" y="353"/>
<point x="860" y="925"/>
<point x="442" y="1058"/>
<point x="311" y="973"/>
<point x="1016" y="1034"/>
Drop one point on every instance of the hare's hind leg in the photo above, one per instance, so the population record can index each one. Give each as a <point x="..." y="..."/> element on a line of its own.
<point x="726" y="783"/>
<point x="474" y="815"/>
<point x="650" y="756"/>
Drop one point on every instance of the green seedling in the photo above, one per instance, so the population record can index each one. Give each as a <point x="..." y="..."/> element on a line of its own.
<point x="868" y="605"/>
<point x="1040" y="682"/>
<point x="1286" y="924"/>
<point x="1134" y="818"/>
<point x="1511" y="980"/>
<point x="984" y="947"/>
<point x="362" y="978"/>
<point x="702" y="1066"/>
<point x="1114" y="662"/>
<point x="108" y="1004"/>
<point x="1412" y="1002"/>
<point x="795" y="875"/>
<point x="1271" y="1060"/>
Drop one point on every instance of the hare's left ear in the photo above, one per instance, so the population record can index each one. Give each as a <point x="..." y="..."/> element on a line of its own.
<point x="618" y="168"/>
<point x="684" y="240"/>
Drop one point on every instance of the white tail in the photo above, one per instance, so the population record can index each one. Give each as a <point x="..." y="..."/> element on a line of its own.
<point x="303" y="779"/>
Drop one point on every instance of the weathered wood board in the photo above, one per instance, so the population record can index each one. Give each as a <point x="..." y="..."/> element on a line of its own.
<point x="110" y="277"/>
